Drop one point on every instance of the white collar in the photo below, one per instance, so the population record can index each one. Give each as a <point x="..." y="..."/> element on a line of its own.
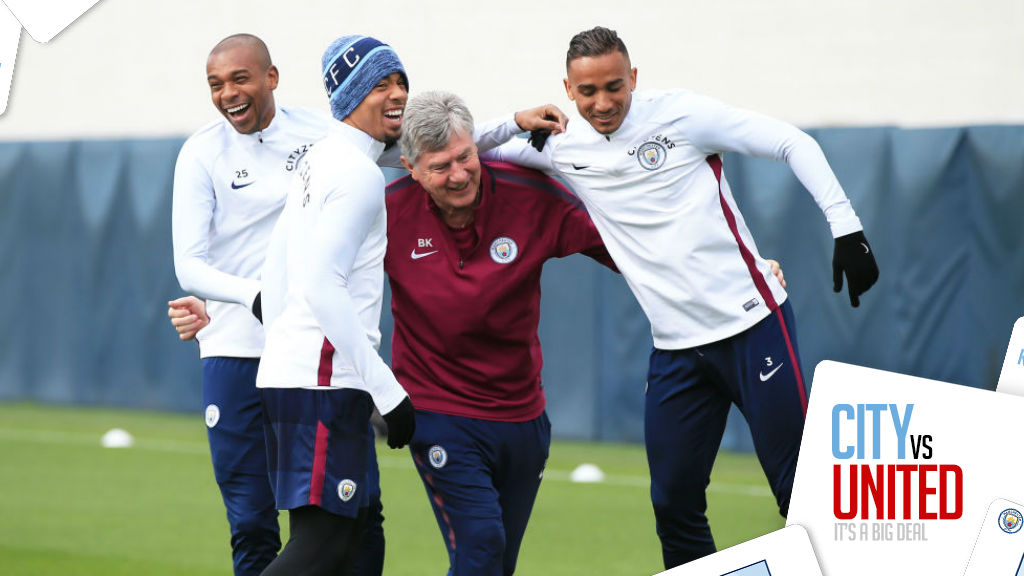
<point x="361" y="140"/>
<point x="267" y="133"/>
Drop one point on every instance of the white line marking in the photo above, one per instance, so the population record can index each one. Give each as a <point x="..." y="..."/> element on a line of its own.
<point x="58" y="437"/>
<point x="386" y="460"/>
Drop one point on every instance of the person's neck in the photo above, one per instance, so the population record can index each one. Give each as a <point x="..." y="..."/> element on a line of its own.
<point x="348" y="120"/>
<point x="459" y="218"/>
<point x="265" y="122"/>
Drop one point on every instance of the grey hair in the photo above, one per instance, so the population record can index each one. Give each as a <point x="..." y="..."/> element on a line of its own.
<point x="429" y="121"/>
<point x="597" y="41"/>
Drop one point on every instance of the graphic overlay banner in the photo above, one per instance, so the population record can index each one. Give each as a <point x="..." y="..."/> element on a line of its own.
<point x="1000" y="547"/>
<point x="785" y="552"/>
<point x="44" y="19"/>
<point x="895" y="472"/>
<point x="1011" y="378"/>
<point x="10" y="34"/>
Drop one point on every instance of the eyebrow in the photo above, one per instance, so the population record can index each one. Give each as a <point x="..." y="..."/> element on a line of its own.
<point x="235" y="72"/>
<point x="466" y="152"/>
<point x="616" y="82"/>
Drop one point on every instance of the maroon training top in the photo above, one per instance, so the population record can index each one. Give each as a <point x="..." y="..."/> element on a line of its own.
<point x="466" y="303"/>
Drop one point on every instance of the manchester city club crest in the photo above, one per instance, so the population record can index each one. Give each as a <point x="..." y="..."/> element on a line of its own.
<point x="346" y="490"/>
<point x="651" y="155"/>
<point x="212" y="415"/>
<point x="438" y="456"/>
<point x="1010" y="520"/>
<point x="504" y="250"/>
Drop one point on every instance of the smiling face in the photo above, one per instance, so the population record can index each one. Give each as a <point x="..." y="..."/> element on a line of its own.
<point x="602" y="88"/>
<point x="380" y="112"/>
<point x="451" y="176"/>
<point x="242" y="83"/>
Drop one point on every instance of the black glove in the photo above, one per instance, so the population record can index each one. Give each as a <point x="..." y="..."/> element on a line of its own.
<point x="853" y="255"/>
<point x="257" y="307"/>
<point x="538" y="137"/>
<point x="401" y="423"/>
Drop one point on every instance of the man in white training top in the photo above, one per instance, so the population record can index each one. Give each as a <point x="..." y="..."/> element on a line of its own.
<point x="648" y="167"/>
<point x="229" y="185"/>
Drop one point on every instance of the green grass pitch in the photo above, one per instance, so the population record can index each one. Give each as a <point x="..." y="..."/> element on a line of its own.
<point x="69" y="506"/>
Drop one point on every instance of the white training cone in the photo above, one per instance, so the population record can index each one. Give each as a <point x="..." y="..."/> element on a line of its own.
<point x="587" y="473"/>
<point x="117" y="438"/>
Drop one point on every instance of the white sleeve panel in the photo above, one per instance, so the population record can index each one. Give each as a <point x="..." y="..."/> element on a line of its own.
<point x="519" y="151"/>
<point x="347" y="213"/>
<point x="716" y="127"/>
<point x="193" y="203"/>
<point x="495" y="132"/>
<point x="487" y="136"/>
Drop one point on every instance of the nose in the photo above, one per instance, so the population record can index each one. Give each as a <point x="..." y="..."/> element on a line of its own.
<point x="602" y="103"/>
<point x="398" y="92"/>
<point x="229" y="91"/>
<point x="459" y="175"/>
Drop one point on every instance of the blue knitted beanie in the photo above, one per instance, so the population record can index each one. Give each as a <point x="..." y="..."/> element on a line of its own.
<point x="352" y="66"/>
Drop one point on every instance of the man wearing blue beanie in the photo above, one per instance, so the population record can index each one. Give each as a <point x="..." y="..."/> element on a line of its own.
<point x="320" y="375"/>
<point x="352" y="68"/>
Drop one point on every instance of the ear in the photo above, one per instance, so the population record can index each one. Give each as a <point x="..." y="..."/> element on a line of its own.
<point x="410" y="168"/>
<point x="632" y="79"/>
<point x="568" y="90"/>
<point x="272" y="77"/>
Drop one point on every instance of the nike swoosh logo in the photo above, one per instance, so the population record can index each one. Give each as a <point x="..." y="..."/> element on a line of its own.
<point x="239" y="186"/>
<point x="416" y="256"/>
<point x="866" y="249"/>
<point x="766" y="377"/>
<point x="580" y="167"/>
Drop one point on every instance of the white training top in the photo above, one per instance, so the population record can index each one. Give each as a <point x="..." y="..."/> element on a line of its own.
<point x="229" y="189"/>
<point x="323" y="280"/>
<point x="657" y="194"/>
